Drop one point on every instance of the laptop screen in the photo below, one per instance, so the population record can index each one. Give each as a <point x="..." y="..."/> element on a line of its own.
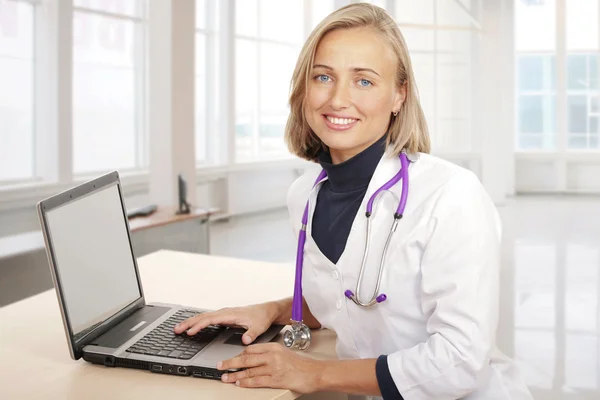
<point x="93" y="258"/>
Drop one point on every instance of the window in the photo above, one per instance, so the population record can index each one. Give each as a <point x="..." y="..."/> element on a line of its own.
<point x="17" y="62"/>
<point x="536" y="75"/>
<point x="268" y="38"/>
<point x="535" y="30"/>
<point x="319" y="10"/>
<point x="582" y="101"/>
<point x="439" y="37"/>
<point x="536" y="101"/>
<point x="109" y="72"/>
<point x="207" y="76"/>
<point x="582" y="74"/>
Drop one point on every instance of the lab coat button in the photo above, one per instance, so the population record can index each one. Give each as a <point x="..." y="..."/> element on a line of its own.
<point x="335" y="275"/>
<point x="338" y="304"/>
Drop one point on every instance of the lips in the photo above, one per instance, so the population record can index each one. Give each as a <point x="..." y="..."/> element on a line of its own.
<point x="339" y="123"/>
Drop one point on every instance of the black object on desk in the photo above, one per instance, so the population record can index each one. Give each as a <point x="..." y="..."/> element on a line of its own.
<point x="142" y="211"/>
<point x="184" y="206"/>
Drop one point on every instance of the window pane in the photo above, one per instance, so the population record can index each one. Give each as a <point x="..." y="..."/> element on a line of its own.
<point x="246" y="94"/>
<point x="578" y="142"/>
<point x="454" y="83"/>
<point x="282" y="20"/>
<point x="422" y="65"/>
<point x="531" y="75"/>
<point x="594" y="124"/>
<point x="450" y="13"/>
<point x="201" y="120"/>
<point x="536" y="114"/>
<point x="594" y="105"/>
<point x="133" y="8"/>
<point x="105" y="93"/>
<point x="418" y="39"/>
<point x="207" y="14"/>
<point x="206" y="81"/>
<point x="577" y="114"/>
<point x="246" y="17"/>
<point x="576" y="70"/>
<point x="582" y="24"/>
<point x="277" y="67"/>
<point x="535" y="25"/>
<point x="536" y="72"/>
<point x="202" y="14"/>
<point x="530" y="142"/>
<point x="17" y="90"/>
<point x="593" y="71"/>
<point x="454" y="41"/>
<point x="320" y="9"/>
<point x="414" y="12"/>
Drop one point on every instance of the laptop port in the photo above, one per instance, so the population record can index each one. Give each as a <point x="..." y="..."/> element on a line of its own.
<point x="157" y="368"/>
<point x="198" y="374"/>
<point x="209" y="374"/>
<point x="182" y="371"/>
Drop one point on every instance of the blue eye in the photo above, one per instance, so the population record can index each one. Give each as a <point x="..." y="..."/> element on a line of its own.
<point x="323" y="78"/>
<point x="364" y="83"/>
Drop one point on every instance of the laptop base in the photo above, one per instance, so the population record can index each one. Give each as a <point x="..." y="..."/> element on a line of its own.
<point x="156" y="367"/>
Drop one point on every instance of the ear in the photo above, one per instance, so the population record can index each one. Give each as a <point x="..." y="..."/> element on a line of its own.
<point x="399" y="96"/>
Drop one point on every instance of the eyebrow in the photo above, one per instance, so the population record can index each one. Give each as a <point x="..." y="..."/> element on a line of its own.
<point x="357" y="69"/>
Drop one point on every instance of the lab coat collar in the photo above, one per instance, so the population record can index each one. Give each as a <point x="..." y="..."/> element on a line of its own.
<point x="388" y="166"/>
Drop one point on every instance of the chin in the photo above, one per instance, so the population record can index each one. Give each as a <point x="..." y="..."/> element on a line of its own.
<point x="340" y="140"/>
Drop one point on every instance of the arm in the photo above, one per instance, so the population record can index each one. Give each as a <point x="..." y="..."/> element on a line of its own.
<point x="459" y="293"/>
<point x="283" y="313"/>
<point x="348" y="376"/>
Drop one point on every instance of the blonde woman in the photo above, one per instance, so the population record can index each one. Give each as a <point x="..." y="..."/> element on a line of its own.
<point x="425" y="328"/>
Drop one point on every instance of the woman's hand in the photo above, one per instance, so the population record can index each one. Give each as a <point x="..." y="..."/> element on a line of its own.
<point x="256" y="319"/>
<point x="275" y="366"/>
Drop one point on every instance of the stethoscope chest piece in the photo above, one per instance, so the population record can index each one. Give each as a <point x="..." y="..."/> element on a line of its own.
<point x="299" y="336"/>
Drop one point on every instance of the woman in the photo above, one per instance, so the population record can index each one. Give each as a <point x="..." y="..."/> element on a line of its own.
<point x="354" y="109"/>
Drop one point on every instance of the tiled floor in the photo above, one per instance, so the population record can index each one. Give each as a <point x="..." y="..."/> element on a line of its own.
<point x="550" y="301"/>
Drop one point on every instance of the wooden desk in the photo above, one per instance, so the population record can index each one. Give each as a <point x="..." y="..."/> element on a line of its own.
<point x="167" y="230"/>
<point x="35" y="362"/>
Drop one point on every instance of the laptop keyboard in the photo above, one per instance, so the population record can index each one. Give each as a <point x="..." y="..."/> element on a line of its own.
<point x="163" y="342"/>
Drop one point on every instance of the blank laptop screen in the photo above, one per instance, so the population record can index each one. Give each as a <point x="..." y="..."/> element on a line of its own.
<point x="93" y="257"/>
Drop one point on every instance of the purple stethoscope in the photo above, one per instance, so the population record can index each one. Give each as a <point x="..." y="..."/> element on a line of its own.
<point x="299" y="336"/>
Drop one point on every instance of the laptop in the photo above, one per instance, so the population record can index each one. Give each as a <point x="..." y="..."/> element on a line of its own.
<point x="106" y="318"/>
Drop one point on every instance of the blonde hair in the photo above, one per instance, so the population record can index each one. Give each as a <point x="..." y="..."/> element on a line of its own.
<point x="408" y="130"/>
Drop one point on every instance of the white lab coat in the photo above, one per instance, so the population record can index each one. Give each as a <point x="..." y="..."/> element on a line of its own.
<point x="441" y="277"/>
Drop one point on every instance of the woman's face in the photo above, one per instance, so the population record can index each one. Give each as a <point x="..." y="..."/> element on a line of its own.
<point x="352" y="91"/>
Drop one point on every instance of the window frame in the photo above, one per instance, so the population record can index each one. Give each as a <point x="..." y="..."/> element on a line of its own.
<point x="257" y="39"/>
<point x="38" y="44"/>
<point x="140" y="59"/>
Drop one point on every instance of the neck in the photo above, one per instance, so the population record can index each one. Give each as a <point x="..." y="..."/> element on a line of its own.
<point x="339" y="156"/>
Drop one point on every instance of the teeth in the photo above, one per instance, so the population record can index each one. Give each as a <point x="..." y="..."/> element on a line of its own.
<point x="340" y="121"/>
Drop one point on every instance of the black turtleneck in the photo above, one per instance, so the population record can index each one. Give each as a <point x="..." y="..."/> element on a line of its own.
<point x="340" y="197"/>
<point x="337" y="205"/>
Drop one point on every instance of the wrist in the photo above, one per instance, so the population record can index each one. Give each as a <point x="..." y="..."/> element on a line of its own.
<point x="276" y="311"/>
<point x="320" y="378"/>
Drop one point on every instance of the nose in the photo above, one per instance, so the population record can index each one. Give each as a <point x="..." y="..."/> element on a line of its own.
<point x="340" y="97"/>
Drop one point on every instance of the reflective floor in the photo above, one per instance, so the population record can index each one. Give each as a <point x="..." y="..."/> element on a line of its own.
<point x="550" y="304"/>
